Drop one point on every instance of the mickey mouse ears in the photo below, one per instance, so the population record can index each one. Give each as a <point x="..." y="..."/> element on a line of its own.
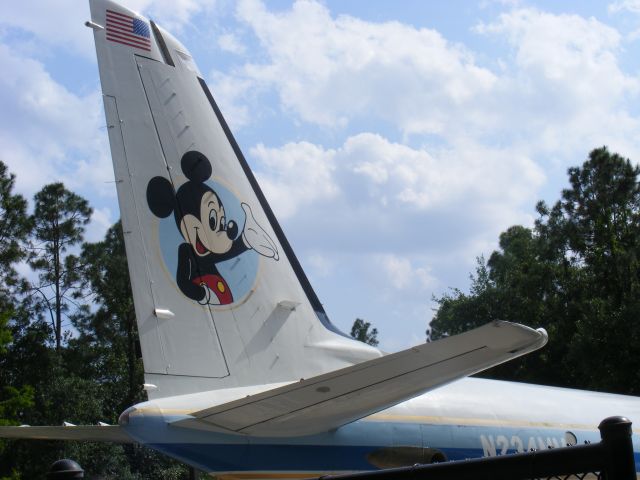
<point x="195" y="166"/>
<point x="161" y="197"/>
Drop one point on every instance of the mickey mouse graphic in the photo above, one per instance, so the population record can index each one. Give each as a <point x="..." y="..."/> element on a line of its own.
<point x="209" y="236"/>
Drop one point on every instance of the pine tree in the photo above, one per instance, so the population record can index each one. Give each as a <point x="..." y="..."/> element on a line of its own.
<point x="360" y="331"/>
<point x="59" y="220"/>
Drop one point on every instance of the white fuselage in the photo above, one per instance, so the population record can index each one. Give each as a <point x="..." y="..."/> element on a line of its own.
<point x="469" y="418"/>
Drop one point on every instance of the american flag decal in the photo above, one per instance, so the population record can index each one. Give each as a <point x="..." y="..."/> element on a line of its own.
<point x="128" y="30"/>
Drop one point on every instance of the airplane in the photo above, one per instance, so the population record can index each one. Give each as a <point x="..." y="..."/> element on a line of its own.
<point x="246" y="376"/>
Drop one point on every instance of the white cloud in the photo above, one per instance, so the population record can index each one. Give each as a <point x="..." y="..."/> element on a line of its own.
<point x="230" y="43"/>
<point x="625" y="7"/>
<point x="393" y="174"/>
<point x="576" y="55"/>
<point x="398" y="270"/>
<point x="402" y="274"/>
<point x="565" y="88"/>
<point x="48" y="133"/>
<point x="632" y="6"/>
<point x="321" y="265"/>
<point x="332" y="70"/>
<point x="173" y="15"/>
<point x="59" y="23"/>
<point x="373" y="196"/>
<point x="234" y="95"/>
<point x="427" y="180"/>
<point x="295" y="175"/>
<point x="560" y="90"/>
<point x="101" y="220"/>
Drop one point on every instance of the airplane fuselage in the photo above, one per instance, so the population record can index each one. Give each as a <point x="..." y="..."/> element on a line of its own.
<point x="466" y="419"/>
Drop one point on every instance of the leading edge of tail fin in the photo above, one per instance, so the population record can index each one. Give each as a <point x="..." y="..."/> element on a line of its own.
<point x="221" y="299"/>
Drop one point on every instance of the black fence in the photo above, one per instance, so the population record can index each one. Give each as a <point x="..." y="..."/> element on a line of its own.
<point x="610" y="459"/>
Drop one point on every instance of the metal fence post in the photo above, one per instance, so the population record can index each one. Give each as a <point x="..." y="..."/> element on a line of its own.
<point x="65" y="469"/>
<point x="616" y="440"/>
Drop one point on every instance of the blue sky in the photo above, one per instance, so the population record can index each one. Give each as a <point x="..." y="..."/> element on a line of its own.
<point x="394" y="140"/>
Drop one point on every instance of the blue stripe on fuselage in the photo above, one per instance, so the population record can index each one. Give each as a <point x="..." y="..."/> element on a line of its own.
<point x="215" y="458"/>
<point x="346" y="449"/>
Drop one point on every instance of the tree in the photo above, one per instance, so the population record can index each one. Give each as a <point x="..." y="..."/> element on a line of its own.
<point x="601" y="222"/>
<point x="113" y="324"/>
<point x="15" y="397"/>
<point x="15" y="226"/>
<point x="360" y="331"/>
<point x="59" y="219"/>
<point x="13" y="400"/>
<point x="459" y="312"/>
<point x="106" y="351"/>
<point x="89" y="378"/>
<point x="576" y="273"/>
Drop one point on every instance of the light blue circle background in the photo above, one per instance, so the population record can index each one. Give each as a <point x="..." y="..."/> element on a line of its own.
<point x="239" y="272"/>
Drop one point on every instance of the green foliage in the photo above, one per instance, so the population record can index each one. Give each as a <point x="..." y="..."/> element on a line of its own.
<point x="95" y="373"/>
<point x="12" y="401"/>
<point x="15" y="397"/>
<point x="576" y="274"/>
<point x="5" y="332"/>
<point x="93" y="377"/>
<point x="360" y="331"/>
<point x="109" y="336"/>
<point x="14" y="228"/>
<point x="58" y="219"/>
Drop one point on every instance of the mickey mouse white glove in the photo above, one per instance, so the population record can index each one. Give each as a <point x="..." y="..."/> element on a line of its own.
<point x="207" y="294"/>
<point x="256" y="238"/>
<point x="209" y="298"/>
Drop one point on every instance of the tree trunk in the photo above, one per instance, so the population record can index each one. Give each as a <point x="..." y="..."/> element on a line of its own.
<point x="56" y="259"/>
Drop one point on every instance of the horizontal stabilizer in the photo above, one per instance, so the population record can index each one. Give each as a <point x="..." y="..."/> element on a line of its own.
<point x="328" y="401"/>
<point x="87" y="433"/>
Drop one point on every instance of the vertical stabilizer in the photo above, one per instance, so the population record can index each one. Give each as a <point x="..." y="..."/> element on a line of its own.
<point x="220" y="297"/>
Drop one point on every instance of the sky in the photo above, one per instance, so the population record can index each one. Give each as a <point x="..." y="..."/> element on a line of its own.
<point x="395" y="141"/>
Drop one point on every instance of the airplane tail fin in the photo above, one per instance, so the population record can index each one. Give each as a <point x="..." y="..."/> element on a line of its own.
<point x="221" y="299"/>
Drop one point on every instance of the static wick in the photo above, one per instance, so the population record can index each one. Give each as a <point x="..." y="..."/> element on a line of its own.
<point x="93" y="25"/>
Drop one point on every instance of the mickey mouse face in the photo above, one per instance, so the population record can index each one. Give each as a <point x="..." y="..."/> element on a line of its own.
<point x="209" y="232"/>
<point x="198" y="211"/>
